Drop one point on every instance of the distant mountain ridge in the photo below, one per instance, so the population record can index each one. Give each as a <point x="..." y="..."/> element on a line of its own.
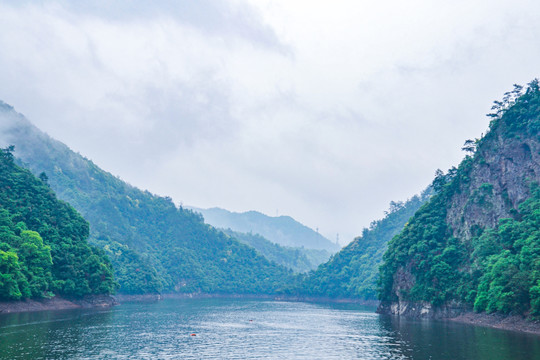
<point x="297" y="259"/>
<point x="283" y="230"/>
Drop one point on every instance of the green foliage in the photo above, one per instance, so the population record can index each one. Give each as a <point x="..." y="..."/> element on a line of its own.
<point x="299" y="260"/>
<point x="426" y="247"/>
<point x="508" y="259"/>
<point x="52" y="257"/>
<point x="13" y="284"/>
<point x="352" y="272"/>
<point x="35" y="258"/>
<point x="494" y="270"/>
<point x="133" y="271"/>
<point x="153" y="244"/>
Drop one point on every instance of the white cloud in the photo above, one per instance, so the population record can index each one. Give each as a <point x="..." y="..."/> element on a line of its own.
<point x="325" y="111"/>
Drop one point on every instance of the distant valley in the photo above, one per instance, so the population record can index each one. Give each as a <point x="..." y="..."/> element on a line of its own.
<point x="282" y="230"/>
<point x="470" y="241"/>
<point x="301" y="247"/>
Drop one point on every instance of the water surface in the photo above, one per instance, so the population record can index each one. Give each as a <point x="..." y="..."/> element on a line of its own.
<point x="249" y="329"/>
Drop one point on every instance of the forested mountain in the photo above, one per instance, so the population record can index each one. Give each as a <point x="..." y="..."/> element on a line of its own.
<point x="153" y="245"/>
<point x="282" y="230"/>
<point x="298" y="259"/>
<point x="476" y="243"/>
<point x="353" y="272"/>
<point x="43" y="248"/>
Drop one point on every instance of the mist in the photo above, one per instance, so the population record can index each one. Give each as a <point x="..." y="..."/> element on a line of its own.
<point x="325" y="112"/>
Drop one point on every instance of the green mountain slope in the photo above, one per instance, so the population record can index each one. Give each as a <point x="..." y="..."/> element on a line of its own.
<point x="353" y="272"/>
<point x="297" y="259"/>
<point x="282" y="230"/>
<point x="476" y="243"/>
<point x="43" y="248"/>
<point x="154" y="246"/>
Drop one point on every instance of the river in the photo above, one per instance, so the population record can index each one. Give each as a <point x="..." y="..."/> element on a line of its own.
<point x="250" y="329"/>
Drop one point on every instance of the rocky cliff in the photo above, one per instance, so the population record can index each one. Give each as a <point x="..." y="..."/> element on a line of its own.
<point x="500" y="176"/>
<point x="476" y="243"/>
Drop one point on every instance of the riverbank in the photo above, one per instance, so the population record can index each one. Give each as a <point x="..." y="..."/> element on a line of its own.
<point x="121" y="298"/>
<point x="292" y="298"/>
<point x="499" y="321"/>
<point x="321" y="299"/>
<point x="457" y="312"/>
<point x="57" y="303"/>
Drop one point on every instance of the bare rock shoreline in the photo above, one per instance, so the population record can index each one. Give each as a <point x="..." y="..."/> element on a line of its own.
<point x="57" y="303"/>
<point x="499" y="321"/>
<point x="459" y="313"/>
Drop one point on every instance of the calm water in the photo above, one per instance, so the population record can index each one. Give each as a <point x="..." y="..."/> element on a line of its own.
<point x="249" y="329"/>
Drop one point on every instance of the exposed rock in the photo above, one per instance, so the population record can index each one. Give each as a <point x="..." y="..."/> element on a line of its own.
<point x="138" y="298"/>
<point x="57" y="303"/>
<point x="498" y="321"/>
<point x="92" y="301"/>
<point x="499" y="181"/>
<point x="422" y="309"/>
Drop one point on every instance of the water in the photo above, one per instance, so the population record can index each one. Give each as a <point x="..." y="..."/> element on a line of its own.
<point x="249" y="329"/>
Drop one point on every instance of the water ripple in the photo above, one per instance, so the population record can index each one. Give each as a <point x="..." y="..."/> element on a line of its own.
<point x="248" y="329"/>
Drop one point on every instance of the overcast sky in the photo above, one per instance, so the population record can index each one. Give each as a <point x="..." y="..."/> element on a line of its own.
<point x="321" y="110"/>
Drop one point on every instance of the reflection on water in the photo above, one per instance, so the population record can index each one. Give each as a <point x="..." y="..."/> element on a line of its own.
<point x="249" y="329"/>
<point x="427" y="339"/>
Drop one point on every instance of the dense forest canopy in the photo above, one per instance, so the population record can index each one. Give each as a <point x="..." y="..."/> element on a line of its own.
<point x="43" y="247"/>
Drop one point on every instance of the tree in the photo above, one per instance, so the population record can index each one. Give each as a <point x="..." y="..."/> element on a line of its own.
<point x="7" y="153"/>
<point x="37" y="262"/>
<point x="43" y="177"/>
<point x="469" y="146"/>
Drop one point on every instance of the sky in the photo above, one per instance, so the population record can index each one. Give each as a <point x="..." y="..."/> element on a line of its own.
<point x="321" y="110"/>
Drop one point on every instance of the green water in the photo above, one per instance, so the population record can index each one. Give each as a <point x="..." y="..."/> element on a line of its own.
<point x="249" y="329"/>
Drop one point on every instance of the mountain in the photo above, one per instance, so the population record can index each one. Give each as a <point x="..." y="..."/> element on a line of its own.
<point x="297" y="259"/>
<point x="153" y="245"/>
<point x="476" y="243"/>
<point x="282" y="230"/>
<point x="353" y="272"/>
<point x="43" y="247"/>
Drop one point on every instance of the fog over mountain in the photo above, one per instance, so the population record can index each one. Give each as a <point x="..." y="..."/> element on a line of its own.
<point x="282" y="230"/>
<point x="324" y="111"/>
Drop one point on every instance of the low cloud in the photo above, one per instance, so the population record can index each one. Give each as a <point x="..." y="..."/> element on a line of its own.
<point x="324" y="111"/>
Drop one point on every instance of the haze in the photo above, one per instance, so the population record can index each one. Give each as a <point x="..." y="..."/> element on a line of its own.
<point x="324" y="111"/>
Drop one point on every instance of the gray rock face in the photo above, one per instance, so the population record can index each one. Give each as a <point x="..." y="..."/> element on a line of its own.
<point x="499" y="181"/>
<point x="422" y="309"/>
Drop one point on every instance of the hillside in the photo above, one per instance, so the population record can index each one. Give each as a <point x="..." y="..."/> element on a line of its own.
<point x="476" y="243"/>
<point x="153" y="245"/>
<point x="353" y="272"/>
<point x="43" y="248"/>
<point x="282" y="230"/>
<point x="297" y="259"/>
